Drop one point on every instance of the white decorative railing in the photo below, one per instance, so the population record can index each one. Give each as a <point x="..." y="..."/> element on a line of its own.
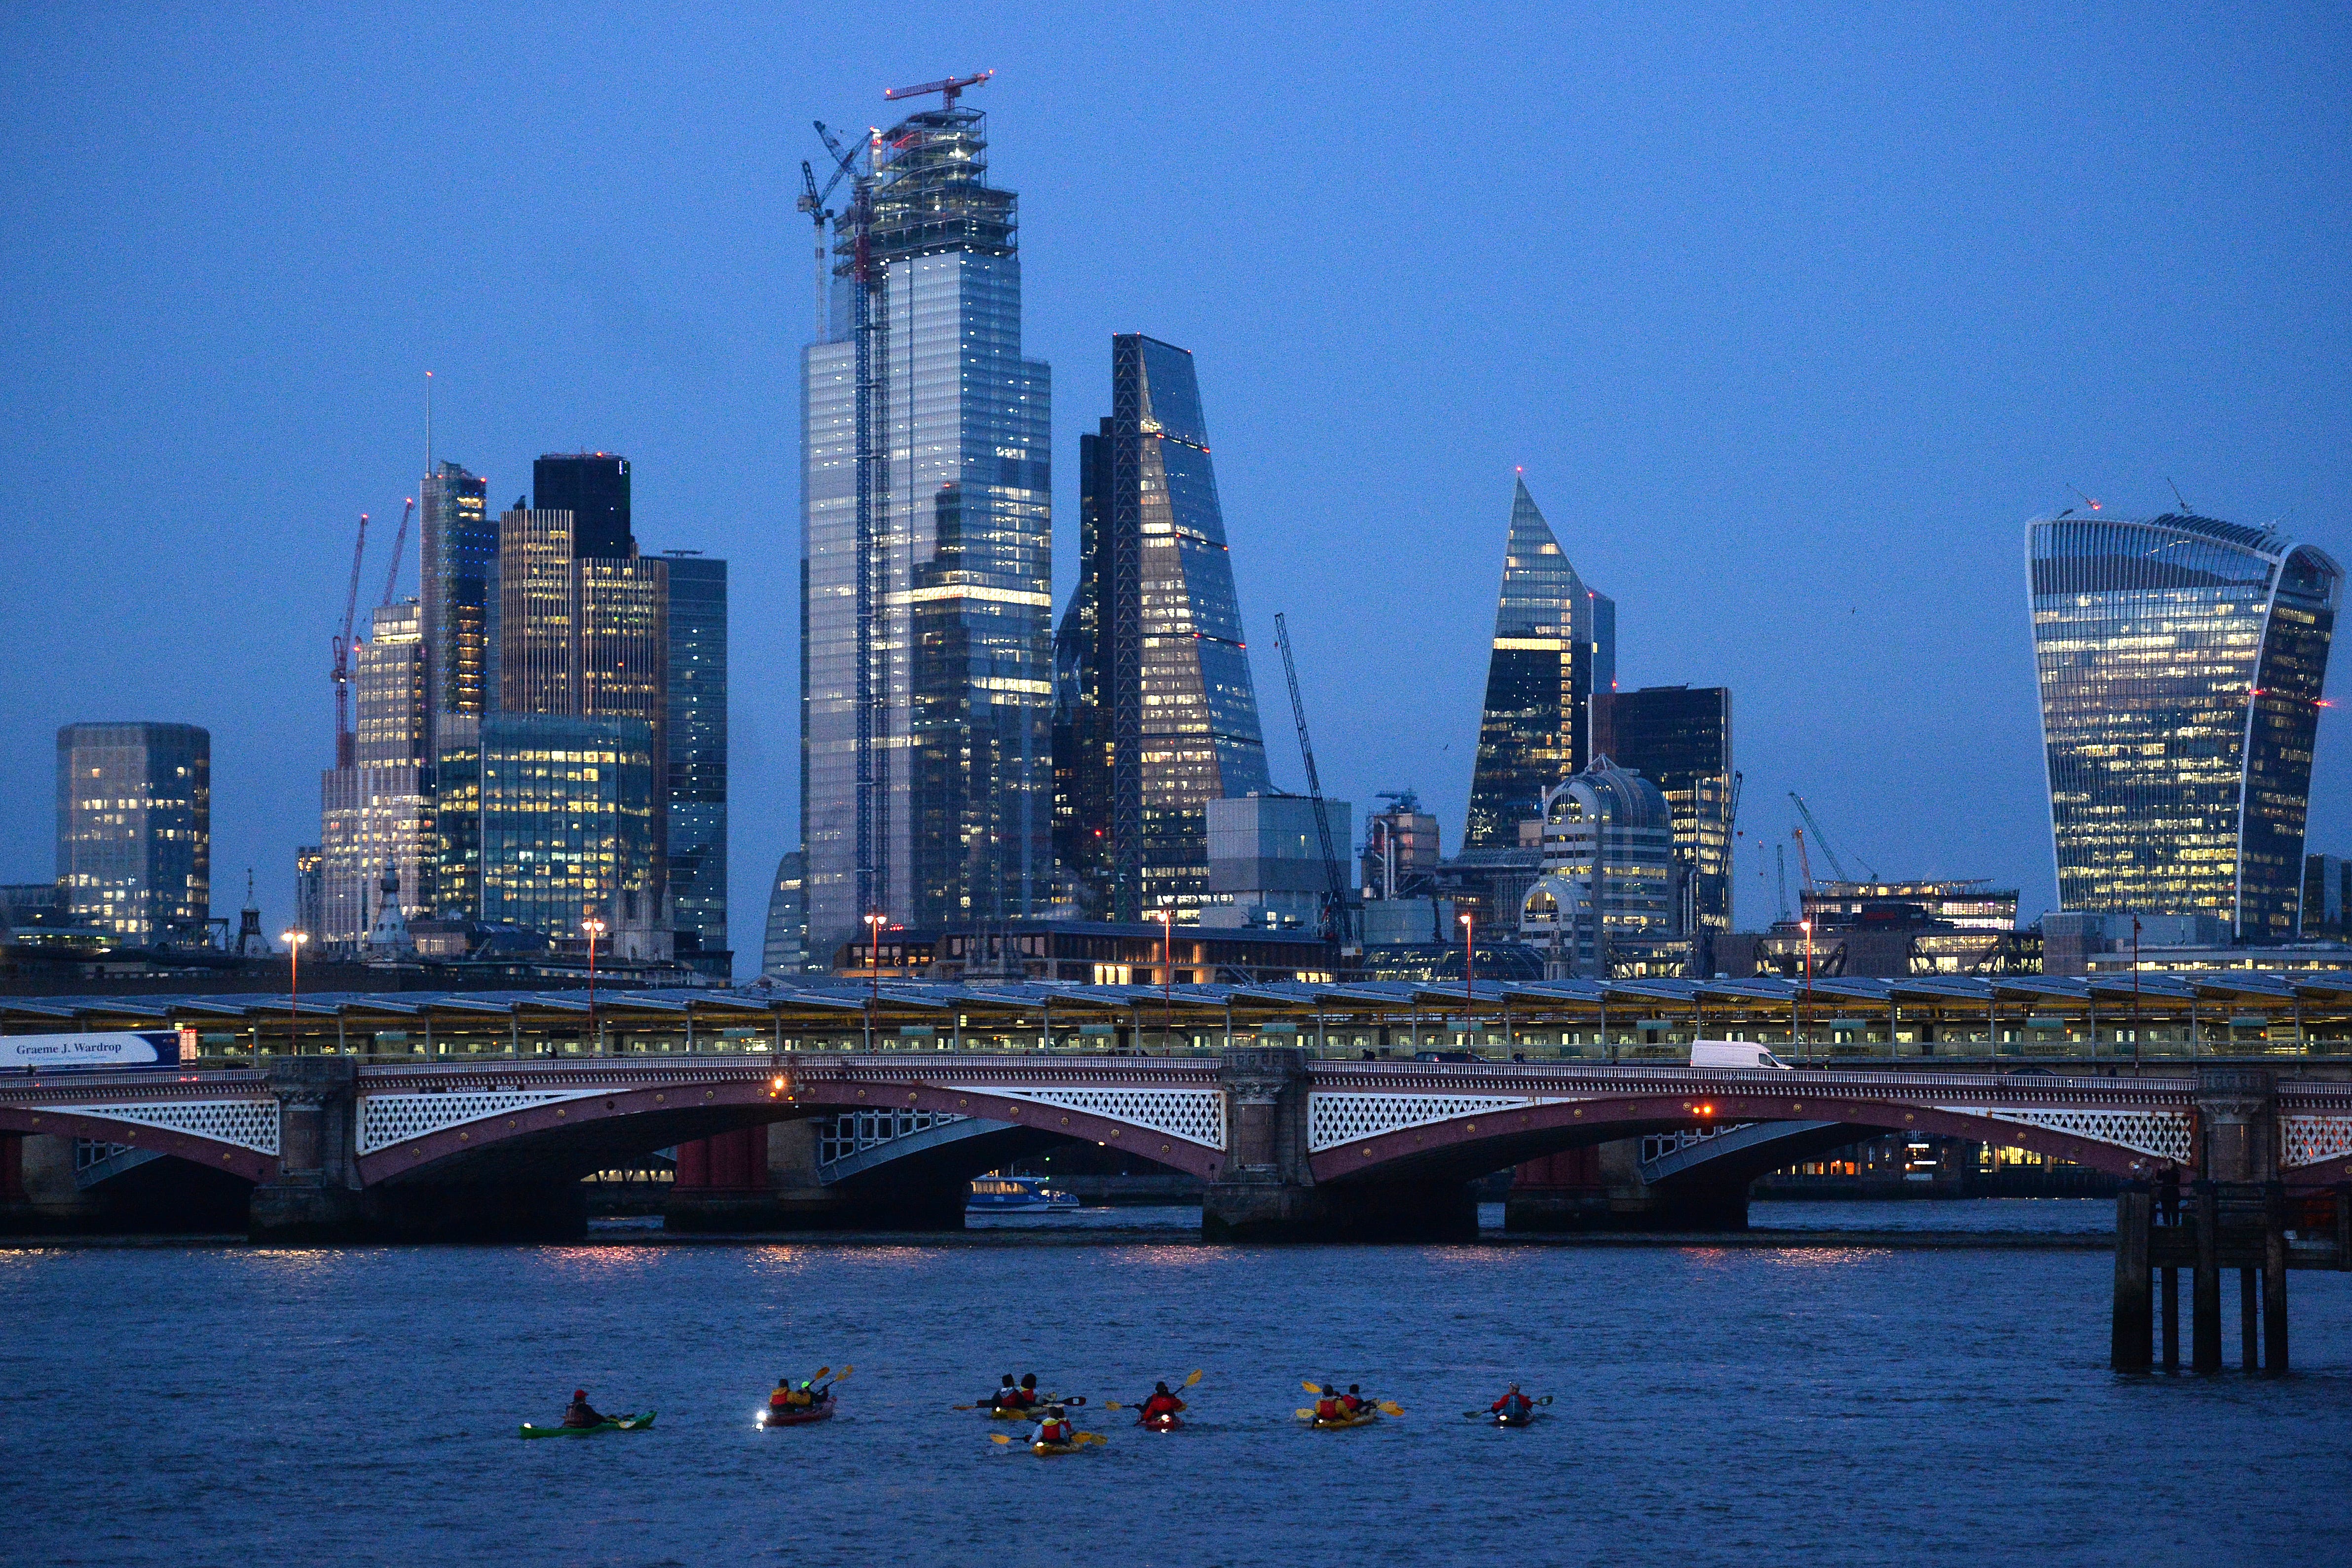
<point x="1334" y="1119"/>
<point x="2163" y="1133"/>
<point x="245" y="1123"/>
<point x="1194" y="1115"/>
<point x="389" y="1118"/>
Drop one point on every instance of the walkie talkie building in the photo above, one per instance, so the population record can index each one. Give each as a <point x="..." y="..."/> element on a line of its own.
<point x="2181" y="661"/>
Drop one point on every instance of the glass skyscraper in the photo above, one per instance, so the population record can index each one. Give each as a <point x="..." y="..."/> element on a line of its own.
<point x="134" y="830"/>
<point x="1555" y="645"/>
<point x="698" y="751"/>
<point x="1157" y="690"/>
<point x="926" y="556"/>
<point x="567" y="812"/>
<point x="1679" y="737"/>
<point x="460" y="559"/>
<point x="2181" y="661"/>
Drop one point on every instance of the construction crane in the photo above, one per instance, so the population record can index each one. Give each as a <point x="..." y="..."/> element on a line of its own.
<point x="1823" y="839"/>
<point x="342" y="672"/>
<point x="949" y="90"/>
<point x="813" y="202"/>
<point x="399" y="544"/>
<point x="1335" y="900"/>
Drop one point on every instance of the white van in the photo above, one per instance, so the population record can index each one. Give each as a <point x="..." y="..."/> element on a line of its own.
<point x="1734" y="1054"/>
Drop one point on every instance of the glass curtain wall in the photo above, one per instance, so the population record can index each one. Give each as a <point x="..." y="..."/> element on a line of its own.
<point x="2181" y="660"/>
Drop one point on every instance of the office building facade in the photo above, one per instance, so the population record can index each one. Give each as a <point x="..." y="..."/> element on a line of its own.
<point x="594" y="488"/>
<point x="459" y="565"/>
<point x="1679" y="737"/>
<point x="696" y="751"/>
<point x="566" y="824"/>
<point x="1610" y="884"/>
<point x="1555" y="646"/>
<point x="784" y="952"/>
<point x="375" y="812"/>
<point x="134" y="830"/>
<point x="1159" y="697"/>
<point x="1265" y="861"/>
<point x="2181" y="660"/>
<point x="927" y="679"/>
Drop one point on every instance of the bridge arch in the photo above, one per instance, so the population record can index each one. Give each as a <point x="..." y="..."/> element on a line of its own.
<point x="1505" y="1131"/>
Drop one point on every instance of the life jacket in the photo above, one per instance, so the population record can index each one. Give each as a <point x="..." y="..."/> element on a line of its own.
<point x="1054" y="1432"/>
<point x="780" y="1399"/>
<point x="1329" y="1408"/>
<point x="1161" y="1404"/>
<point x="1353" y="1403"/>
<point x="1514" y="1405"/>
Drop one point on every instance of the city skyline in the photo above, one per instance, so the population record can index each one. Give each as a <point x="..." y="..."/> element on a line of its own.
<point x="1666" y="523"/>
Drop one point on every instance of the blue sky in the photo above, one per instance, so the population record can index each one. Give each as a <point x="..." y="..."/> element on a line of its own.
<point x="1793" y="315"/>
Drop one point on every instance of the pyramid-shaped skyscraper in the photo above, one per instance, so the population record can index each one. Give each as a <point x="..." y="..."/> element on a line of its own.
<point x="1555" y="645"/>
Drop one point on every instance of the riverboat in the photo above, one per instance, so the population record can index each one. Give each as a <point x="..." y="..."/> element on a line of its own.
<point x="994" y="1194"/>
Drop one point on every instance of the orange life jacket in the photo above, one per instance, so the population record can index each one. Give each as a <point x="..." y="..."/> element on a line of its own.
<point x="1331" y="1409"/>
<point x="1054" y="1432"/>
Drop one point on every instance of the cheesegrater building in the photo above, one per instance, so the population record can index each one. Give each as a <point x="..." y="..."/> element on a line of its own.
<point x="2181" y="661"/>
<point x="1155" y="713"/>
<point x="926" y="556"/>
<point x="1555" y="646"/>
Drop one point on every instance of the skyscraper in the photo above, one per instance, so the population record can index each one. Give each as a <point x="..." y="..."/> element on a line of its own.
<point x="1165" y="690"/>
<point x="2181" y="661"/>
<point x="697" y="763"/>
<point x="927" y="685"/>
<point x="783" y="953"/>
<point x="1679" y="737"/>
<point x="134" y="830"/>
<point x="376" y="815"/>
<point x="460" y="556"/>
<point x="594" y="487"/>
<point x="1555" y="645"/>
<point x="567" y="824"/>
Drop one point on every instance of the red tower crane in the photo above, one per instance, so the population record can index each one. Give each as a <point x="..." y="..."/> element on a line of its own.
<point x="342" y="672"/>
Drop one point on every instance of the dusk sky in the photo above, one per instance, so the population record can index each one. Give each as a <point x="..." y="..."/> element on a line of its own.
<point x="1793" y="315"/>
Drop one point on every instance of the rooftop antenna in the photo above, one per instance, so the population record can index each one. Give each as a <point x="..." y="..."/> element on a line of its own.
<point x="2186" y="509"/>
<point x="429" y="421"/>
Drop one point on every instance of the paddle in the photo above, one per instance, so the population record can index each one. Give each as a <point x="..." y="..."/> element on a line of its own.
<point x="1115" y="1404"/>
<point x="1043" y="1401"/>
<point x="1078" y="1439"/>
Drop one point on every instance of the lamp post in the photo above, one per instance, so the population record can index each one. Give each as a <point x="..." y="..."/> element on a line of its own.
<point x="1167" y="971"/>
<point x="1469" y="974"/>
<point x="874" y="973"/>
<point x="293" y="939"/>
<point x="1805" y="1023"/>
<point x="594" y="927"/>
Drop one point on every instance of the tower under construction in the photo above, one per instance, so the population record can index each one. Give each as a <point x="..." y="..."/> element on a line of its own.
<point x="926" y="550"/>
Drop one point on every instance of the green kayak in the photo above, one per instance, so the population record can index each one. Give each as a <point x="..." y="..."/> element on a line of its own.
<point x="621" y="1424"/>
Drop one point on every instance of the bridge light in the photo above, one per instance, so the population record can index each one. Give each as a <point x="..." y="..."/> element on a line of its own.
<point x="1707" y="1111"/>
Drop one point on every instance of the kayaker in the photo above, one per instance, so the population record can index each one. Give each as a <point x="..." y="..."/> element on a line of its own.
<point x="1330" y="1408"/>
<point x="1025" y="1396"/>
<point x="1353" y="1401"/>
<point x="1055" y="1428"/>
<point x="1006" y="1397"/>
<point x="582" y="1413"/>
<point x="1161" y="1403"/>
<point x="787" y="1397"/>
<point x="1513" y="1403"/>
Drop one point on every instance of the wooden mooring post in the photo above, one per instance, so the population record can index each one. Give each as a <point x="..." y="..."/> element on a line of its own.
<point x="2129" y="1347"/>
<point x="2167" y="1212"/>
<point x="2205" y="1285"/>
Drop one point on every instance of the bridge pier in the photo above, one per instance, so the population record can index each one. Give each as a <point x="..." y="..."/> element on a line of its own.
<point x="1266" y="1190"/>
<point x="315" y="1196"/>
<point x="2237" y="1218"/>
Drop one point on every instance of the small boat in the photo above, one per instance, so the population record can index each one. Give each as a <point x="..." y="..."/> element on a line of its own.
<point x="994" y="1194"/>
<point x="1168" y="1422"/>
<point x="787" y="1416"/>
<point x="618" y="1424"/>
<point x="1514" y="1418"/>
<point x="1363" y="1417"/>
<point x="1046" y="1450"/>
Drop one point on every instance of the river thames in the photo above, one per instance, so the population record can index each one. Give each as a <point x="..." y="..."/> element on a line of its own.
<point x="1823" y="1403"/>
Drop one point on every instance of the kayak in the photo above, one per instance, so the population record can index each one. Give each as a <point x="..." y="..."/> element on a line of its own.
<point x="619" y="1424"/>
<point x="786" y="1415"/>
<point x="1043" y="1450"/>
<point x="1504" y="1418"/>
<point x="1363" y="1417"/>
<point x="1168" y="1422"/>
<point x="997" y="1414"/>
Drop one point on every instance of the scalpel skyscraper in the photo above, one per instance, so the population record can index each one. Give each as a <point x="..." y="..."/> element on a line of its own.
<point x="926" y="556"/>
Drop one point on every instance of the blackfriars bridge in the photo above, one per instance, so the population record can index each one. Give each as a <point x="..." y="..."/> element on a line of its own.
<point x="1306" y="1111"/>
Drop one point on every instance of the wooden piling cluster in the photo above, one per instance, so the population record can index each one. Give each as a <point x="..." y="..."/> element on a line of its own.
<point x="2250" y="1226"/>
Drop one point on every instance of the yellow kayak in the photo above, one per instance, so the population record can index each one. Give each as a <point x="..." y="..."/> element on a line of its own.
<point x="1363" y="1417"/>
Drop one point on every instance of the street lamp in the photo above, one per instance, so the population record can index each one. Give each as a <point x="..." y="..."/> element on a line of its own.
<point x="1805" y="1025"/>
<point x="1469" y="976"/>
<point x="293" y="940"/>
<point x="1168" y="970"/>
<point x="594" y="927"/>
<point x="873" y="972"/>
